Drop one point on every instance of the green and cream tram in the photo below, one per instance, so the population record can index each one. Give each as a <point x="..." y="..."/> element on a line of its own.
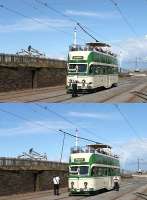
<point x="91" y="67"/>
<point x="91" y="169"/>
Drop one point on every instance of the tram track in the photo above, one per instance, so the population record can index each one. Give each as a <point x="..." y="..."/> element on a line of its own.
<point x="58" y="94"/>
<point x="141" y="195"/>
<point x="135" y="188"/>
<point x="28" y="94"/>
<point x="8" y="96"/>
<point x="141" y="95"/>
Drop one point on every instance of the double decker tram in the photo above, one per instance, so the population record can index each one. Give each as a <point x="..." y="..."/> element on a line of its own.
<point x="91" y="169"/>
<point x="91" y="66"/>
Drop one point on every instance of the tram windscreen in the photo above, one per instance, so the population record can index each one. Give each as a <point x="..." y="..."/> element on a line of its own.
<point x="79" y="170"/>
<point x="77" y="68"/>
<point x="74" y="170"/>
<point x="83" y="170"/>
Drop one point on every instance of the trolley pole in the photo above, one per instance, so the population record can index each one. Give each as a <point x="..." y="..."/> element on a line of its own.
<point x="62" y="147"/>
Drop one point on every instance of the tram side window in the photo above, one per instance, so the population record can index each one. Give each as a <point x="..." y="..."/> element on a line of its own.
<point x="98" y="70"/>
<point x="92" y="69"/>
<point x="99" y="171"/>
<point x="105" y="70"/>
<point x="115" y="70"/>
<point x="94" y="171"/>
<point x="110" y="70"/>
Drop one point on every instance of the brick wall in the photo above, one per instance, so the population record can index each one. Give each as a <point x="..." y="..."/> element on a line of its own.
<point x="15" y="182"/>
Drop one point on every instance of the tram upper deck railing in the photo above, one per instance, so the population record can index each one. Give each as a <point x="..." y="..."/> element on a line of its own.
<point x="92" y="150"/>
<point x="27" y="164"/>
<point x="31" y="61"/>
<point x="89" y="48"/>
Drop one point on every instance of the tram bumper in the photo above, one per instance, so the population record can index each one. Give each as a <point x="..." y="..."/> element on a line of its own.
<point x="81" y="191"/>
<point x="80" y="89"/>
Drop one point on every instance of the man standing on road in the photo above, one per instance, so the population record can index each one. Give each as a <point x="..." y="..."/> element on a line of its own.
<point x="56" y="181"/>
<point x="74" y="89"/>
<point x="116" y="183"/>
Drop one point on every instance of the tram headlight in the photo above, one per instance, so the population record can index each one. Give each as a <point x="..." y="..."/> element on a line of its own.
<point x="85" y="185"/>
<point x="72" y="185"/>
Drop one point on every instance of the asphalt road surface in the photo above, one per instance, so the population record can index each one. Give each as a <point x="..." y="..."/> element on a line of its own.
<point x="132" y="89"/>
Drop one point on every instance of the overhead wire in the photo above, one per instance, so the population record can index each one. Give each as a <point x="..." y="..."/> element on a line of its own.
<point x="124" y="17"/>
<point x="66" y="16"/>
<point x="69" y="121"/>
<point x="41" y="125"/>
<point x="128" y="122"/>
<point x="38" y="10"/>
<point x="55" y="10"/>
<point x="72" y="123"/>
<point x="28" y="17"/>
<point x="18" y="116"/>
<point x="84" y="28"/>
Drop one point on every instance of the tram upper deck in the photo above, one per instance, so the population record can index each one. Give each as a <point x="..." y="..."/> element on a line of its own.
<point x="94" y="149"/>
<point x="93" y="46"/>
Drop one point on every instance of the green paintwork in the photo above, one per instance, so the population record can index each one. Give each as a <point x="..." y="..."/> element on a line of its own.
<point x="103" y="69"/>
<point x="97" y="57"/>
<point x="100" y="159"/>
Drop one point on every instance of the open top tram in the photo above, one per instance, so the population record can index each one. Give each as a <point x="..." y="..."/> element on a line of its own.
<point x="91" y="66"/>
<point x="91" y="169"/>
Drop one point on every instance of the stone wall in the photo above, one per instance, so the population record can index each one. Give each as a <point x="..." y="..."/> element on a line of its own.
<point x="25" y="78"/>
<point x="15" y="182"/>
<point x="18" y="72"/>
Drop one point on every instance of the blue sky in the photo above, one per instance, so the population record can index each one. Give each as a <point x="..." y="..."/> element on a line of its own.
<point x="101" y="17"/>
<point x="102" y="123"/>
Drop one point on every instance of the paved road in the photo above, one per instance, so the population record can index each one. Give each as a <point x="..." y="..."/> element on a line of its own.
<point x="133" y="89"/>
<point x="131" y="189"/>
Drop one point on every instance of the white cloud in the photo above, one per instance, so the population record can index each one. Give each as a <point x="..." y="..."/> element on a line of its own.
<point x="40" y="24"/>
<point x="131" y="49"/>
<point x="131" y="151"/>
<point x="100" y="15"/>
<point x="102" y="116"/>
